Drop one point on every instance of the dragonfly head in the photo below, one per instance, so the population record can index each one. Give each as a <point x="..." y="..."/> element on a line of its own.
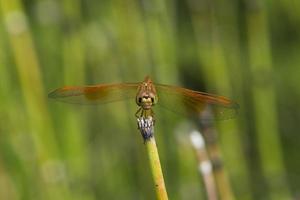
<point x="146" y="96"/>
<point x="146" y="101"/>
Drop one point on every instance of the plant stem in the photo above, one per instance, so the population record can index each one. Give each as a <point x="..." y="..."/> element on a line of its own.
<point x="205" y="165"/>
<point x="146" y="127"/>
<point x="157" y="174"/>
<point x="264" y="101"/>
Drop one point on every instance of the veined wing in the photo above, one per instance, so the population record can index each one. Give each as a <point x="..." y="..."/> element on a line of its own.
<point x="95" y="94"/>
<point x="189" y="102"/>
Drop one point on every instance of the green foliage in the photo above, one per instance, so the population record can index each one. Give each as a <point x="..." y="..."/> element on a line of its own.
<point x="246" y="50"/>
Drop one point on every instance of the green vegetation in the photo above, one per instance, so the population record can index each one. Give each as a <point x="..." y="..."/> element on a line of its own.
<point x="246" y="50"/>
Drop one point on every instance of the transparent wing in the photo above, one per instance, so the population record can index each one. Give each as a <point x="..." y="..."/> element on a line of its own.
<point x="189" y="102"/>
<point x="95" y="94"/>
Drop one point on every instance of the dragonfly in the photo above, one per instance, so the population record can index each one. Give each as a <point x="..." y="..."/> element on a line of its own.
<point x="147" y="95"/>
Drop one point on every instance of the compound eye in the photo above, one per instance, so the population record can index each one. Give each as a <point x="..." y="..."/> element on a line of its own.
<point x="140" y="100"/>
<point x="152" y="100"/>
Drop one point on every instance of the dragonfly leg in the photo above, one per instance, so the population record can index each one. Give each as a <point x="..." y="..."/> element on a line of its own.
<point x="152" y="114"/>
<point x="137" y="112"/>
<point x="142" y="113"/>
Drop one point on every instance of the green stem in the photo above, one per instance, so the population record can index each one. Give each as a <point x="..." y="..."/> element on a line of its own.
<point x="264" y="101"/>
<point x="157" y="174"/>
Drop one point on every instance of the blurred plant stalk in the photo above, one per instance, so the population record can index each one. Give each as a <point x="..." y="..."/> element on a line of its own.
<point x="264" y="100"/>
<point x="217" y="66"/>
<point x="205" y="166"/>
<point x="210" y="137"/>
<point x="51" y="170"/>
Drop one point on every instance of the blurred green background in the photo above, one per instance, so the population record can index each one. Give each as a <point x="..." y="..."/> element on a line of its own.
<point x="247" y="50"/>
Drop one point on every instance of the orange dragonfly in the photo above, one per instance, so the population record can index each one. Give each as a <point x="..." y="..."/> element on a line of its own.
<point x="147" y="94"/>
